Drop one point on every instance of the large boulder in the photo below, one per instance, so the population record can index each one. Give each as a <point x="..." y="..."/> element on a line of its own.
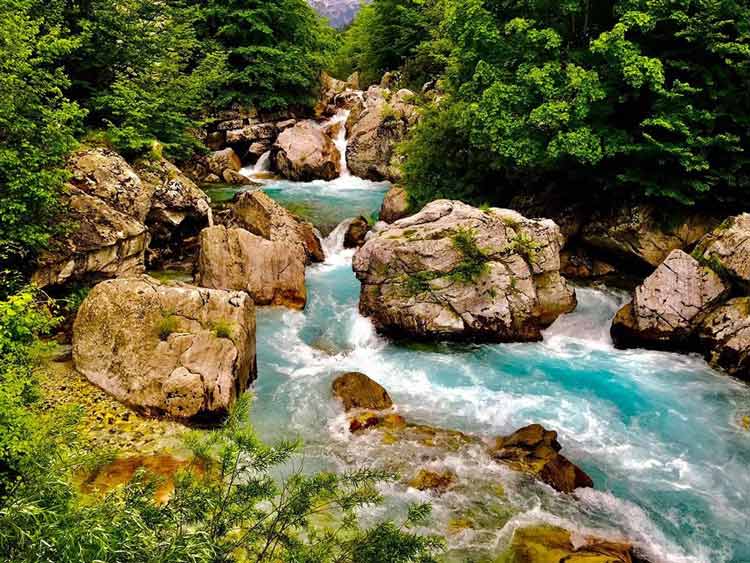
<point x="173" y="350"/>
<point x="643" y="233"/>
<point x="226" y="159"/>
<point x="256" y="212"/>
<point x="725" y="337"/>
<point x="357" y="391"/>
<point x="727" y="249"/>
<point x="103" y="243"/>
<point x="669" y="304"/>
<point x="179" y="209"/>
<point x="273" y="273"/>
<point x="305" y="152"/>
<point x="383" y="124"/>
<point x="535" y="450"/>
<point x="454" y="271"/>
<point x="395" y="205"/>
<point x="104" y="174"/>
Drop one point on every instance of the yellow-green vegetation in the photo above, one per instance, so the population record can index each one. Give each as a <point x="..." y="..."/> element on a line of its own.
<point x="222" y="328"/>
<point x="473" y="259"/>
<point x="526" y="246"/>
<point x="168" y="324"/>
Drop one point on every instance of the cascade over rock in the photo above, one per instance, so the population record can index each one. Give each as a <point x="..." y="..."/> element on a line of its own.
<point x="669" y="304"/>
<point x="454" y="271"/>
<point x="172" y="350"/>
<point x="273" y="273"/>
<point x="373" y="137"/>
<point x="305" y="152"/>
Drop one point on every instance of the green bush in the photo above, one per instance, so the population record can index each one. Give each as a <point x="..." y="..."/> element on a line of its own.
<point x="223" y="328"/>
<point x="168" y="324"/>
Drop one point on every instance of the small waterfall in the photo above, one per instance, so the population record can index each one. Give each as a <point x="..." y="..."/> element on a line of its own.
<point x="340" y="140"/>
<point x="592" y="318"/>
<point x="333" y="244"/>
<point x="263" y="164"/>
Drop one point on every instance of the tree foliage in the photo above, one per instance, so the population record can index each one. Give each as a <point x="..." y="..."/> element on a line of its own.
<point x="631" y="98"/>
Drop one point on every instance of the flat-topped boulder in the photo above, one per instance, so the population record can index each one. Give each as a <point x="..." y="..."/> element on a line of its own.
<point x="727" y="249"/>
<point x="173" y="350"/>
<point x="105" y="243"/>
<point x="535" y="450"/>
<point x="272" y="272"/>
<point x="305" y="152"/>
<point x="453" y="271"/>
<point x="256" y="212"/>
<point x="669" y="304"/>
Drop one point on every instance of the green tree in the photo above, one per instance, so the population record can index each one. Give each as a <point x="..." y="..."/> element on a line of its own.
<point x="37" y="123"/>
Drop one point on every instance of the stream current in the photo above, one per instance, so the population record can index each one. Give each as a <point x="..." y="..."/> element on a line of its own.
<point x="659" y="433"/>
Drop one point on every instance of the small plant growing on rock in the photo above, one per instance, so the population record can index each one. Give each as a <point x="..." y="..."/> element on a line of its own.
<point x="167" y="325"/>
<point x="526" y="246"/>
<point x="223" y="328"/>
<point x="474" y="262"/>
<point x="389" y="113"/>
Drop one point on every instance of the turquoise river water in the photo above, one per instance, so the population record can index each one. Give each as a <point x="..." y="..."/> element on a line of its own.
<point x="659" y="433"/>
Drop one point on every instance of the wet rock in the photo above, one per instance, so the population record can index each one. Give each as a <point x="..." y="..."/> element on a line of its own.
<point x="727" y="249"/>
<point x="104" y="174"/>
<point x="383" y="124"/>
<point x="669" y="304"/>
<point x="579" y="264"/>
<point x="155" y="347"/>
<point x="547" y="544"/>
<point x="534" y="450"/>
<point x="234" y="178"/>
<point x="273" y="273"/>
<point x="305" y="152"/>
<point x="725" y="337"/>
<point x="105" y="243"/>
<point x="455" y="272"/>
<point x="357" y="391"/>
<point x="222" y="160"/>
<point x="395" y="205"/>
<point x="439" y="482"/>
<point x="258" y="213"/>
<point x="643" y="233"/>
<point x="356" y="233"/>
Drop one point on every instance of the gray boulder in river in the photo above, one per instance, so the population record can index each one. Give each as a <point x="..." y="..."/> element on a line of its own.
<point x="453" y="271"/>
<point x="305" y="152"/>
<point x="173" y="350"/>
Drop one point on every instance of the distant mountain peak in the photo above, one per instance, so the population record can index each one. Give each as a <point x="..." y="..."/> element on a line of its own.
<point x="339" y="12"/>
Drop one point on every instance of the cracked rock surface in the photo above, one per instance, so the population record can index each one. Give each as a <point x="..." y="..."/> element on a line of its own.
<point x="669" y="304"/>
<point x="173" y="350"/>
<point x="727" y="249"/>
<point x="414" y="282"/>
<point x="725" y="337"/>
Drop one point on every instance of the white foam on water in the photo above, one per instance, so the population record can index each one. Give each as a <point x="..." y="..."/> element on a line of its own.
<point x="340" y="140"/>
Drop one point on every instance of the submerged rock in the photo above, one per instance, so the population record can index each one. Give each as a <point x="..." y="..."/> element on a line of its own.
<point x="725" y="337"/>
<point x="357" y="391"/>
<point x="669" y="304"/>
<point x="439" y="482"/>
<point x="535" y="450"/>
<point x="453" y="271"/>
<point x="172" y="350"/>
<point x="548" y="544"/>
<point x="727" y="249"/>
<point x="395" y="205"/>
<point x="273" y="273"/>
<point x="305" y="152"/>
<point x="356" y="233"/>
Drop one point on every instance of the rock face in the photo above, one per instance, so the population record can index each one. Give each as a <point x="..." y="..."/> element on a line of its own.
<point x="256" y="212"/>
<point x="104" y="174"/>
<point x="356" y="233"/>
<point x="727" y="249"/>
<point x="669" y="304"/>
<point x="639" y="233"/>
<point x="534" y="450"/>
<point x="455" y="272"/>
<point x="159" y="347"/>
<point x="304" y="152"/>
<point x="547" y="544"/>
<point x="725" y="337"/>
<point x="395" y="205"/>
<point x="357" y="391"/>
<point x="105" y="243"/>
<point x="382" y="124"/>
<point x="273" y="273"/>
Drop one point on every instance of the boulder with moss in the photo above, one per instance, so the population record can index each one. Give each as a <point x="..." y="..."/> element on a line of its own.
<point x="273" y="273"/>
<point x="173" y="350"/>
<point x="453" y="271"/>
<point x="727" y="249"/>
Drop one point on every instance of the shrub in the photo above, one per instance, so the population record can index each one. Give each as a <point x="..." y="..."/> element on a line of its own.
<point x="169" y="324"/>
<point x="223" y="328"/>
